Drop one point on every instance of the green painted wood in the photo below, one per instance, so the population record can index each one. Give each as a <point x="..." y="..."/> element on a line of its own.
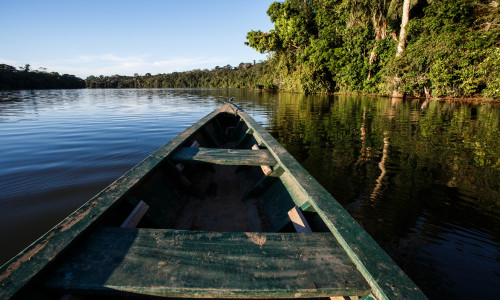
<point x="369" y="296"/>
<point x="28" y="265"/>
<point x="224" y="156"/>
<point x="387" y="280"/>
<point x="162" y="262"/>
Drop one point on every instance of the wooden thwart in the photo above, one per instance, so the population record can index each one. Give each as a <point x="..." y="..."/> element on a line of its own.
<point x="240" y="157"/>
<point x="172" y="263"/>
<point x="136" y="215"/>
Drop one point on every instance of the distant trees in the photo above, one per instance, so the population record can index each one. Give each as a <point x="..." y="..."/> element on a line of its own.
<point x="25" y="78"/>
<point x="245" y="75"/>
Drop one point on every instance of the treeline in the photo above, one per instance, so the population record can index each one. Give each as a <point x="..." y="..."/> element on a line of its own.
<point x="26" y="79"/>
<point x="245" y="75"/>
<point x="417" y="47"/>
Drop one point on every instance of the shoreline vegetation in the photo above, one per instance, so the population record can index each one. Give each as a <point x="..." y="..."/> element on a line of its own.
<point x="27" y="79"/>
<point x="447" y="49"/>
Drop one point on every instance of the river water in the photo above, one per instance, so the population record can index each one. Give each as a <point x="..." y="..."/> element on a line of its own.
<point x="422" y="178"/>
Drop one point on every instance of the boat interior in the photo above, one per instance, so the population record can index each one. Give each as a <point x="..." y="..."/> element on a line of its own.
<point x="220" y="217"/>
<point x="201" y="188"/>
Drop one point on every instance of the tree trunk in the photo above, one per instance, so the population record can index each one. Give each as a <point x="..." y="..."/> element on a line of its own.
<point x="401" y="45"/>
<point x="402" y="33"/>
<point x="379" y="25"/>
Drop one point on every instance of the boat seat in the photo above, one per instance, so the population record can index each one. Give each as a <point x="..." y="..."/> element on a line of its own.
<point x="238" y="157"/>
<point x="176" y="263"/>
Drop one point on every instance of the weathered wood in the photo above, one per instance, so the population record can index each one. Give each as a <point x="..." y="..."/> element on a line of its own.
<point x="384" y="276"/>
<point x="299" y="222"/>
<point x="369" y="296"/>
<point x="209" y="264"/>
<point x="223" y="156"/>
<point x="265" y="168"/>
<point x="136" y="215"/>
<point x="301" y="226"/>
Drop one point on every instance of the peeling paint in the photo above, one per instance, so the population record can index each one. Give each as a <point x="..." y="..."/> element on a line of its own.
<point x="70" y="221"/>
<point x="256" y="238"/>
<point x="27" y="256"/>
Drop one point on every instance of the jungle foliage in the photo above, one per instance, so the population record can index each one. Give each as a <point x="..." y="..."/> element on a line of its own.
<point x="27" y="79"/>
<point x="320" y="46"/>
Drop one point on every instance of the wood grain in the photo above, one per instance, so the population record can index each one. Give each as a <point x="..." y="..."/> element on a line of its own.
<point x="164" y="262"/>
<point x="243" y="157"/>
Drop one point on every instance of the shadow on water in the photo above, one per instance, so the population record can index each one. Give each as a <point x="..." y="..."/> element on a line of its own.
<point x="422" y="177"/>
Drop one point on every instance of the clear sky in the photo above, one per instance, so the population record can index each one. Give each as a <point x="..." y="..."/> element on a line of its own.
<point x="107" y="37"/>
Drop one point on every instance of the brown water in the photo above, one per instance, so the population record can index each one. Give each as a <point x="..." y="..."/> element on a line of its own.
<point x="423" y="178"/>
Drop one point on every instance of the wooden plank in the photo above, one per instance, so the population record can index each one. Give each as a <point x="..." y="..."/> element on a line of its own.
<point x="301" y="226"/>
<point x="28" y="264"/>
<point x="265" y="168"/>
<point x="170" y="263"/>
<point x="298" y="220"/>
<point x="387" y="280"/>
<point x="223" y="156"/>
<point x="136" y="215"/>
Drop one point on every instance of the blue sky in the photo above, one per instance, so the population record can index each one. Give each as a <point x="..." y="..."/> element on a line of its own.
<point x="107" y="37"/>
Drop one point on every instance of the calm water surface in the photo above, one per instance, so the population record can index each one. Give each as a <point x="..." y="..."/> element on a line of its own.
<point x="423" y="178"/>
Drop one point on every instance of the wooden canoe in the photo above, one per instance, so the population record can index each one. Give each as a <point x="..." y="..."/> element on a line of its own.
<point x="220" y="211"/>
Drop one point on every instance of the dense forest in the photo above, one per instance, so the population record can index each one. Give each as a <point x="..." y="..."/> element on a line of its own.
<point x="245" y="75"/>
<point x="438" y="48"/>
<point x="27" y="79"/>
<point x="418" y="47"/>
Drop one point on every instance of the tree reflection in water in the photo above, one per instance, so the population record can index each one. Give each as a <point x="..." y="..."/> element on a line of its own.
<point x="422" y="177"/>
